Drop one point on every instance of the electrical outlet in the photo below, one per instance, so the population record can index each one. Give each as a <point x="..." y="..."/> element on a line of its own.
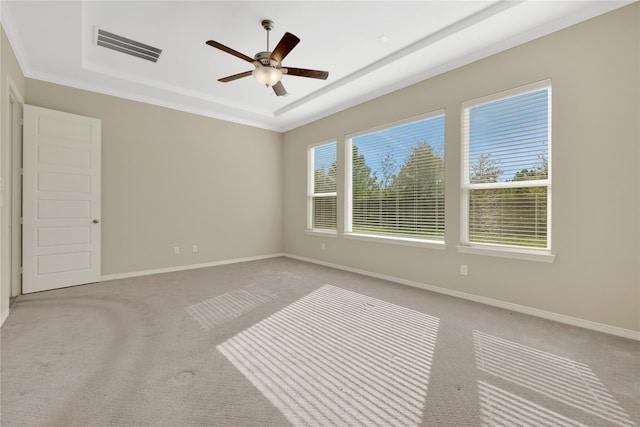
<point x="176" y="250"/>
<point x="464" y="270"/>
<point x="194" y="248"/>
<point x="323" y="247"/>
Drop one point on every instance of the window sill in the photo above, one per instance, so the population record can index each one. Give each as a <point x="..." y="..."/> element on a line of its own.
<point x="514" y="253"/>
<point x="322" y="233"/>
<point x="406" y="241"/>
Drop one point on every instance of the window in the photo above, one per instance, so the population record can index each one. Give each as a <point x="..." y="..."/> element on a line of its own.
<point x="322" y="187"/>
<point x="506" y="182"/>
<point x="396" y="181"/>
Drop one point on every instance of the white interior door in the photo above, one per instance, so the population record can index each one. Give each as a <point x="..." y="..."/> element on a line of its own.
<point x="61" y="199"/>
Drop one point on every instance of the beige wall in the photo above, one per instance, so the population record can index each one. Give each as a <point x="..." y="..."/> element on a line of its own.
<point x="176" y="179"/>
<point x="10" y="73"/>
<point x="594" y="67"/>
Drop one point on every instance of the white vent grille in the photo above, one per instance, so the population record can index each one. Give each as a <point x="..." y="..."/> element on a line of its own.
<point x="128" y="46"/>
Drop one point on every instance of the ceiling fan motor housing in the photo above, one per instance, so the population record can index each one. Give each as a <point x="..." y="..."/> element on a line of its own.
<point x="263" y="58"/>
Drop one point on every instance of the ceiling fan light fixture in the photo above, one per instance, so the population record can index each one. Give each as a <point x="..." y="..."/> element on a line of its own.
<point x="267" y="76"/>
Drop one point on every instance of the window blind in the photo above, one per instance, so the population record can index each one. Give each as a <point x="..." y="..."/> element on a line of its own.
<point x="506" y="182"/>
<point x="323" y="188"/>
<point x="397" y="180"/>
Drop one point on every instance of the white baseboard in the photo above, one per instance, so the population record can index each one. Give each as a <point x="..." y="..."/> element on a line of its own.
<point x="561" y="318"/>
<point x="185" y="267"/>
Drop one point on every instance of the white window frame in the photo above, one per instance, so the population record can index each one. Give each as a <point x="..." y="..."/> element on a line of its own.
<point x="505" y="251"/>
<point x="311" y="195"/>
<point x="348" y="191"/>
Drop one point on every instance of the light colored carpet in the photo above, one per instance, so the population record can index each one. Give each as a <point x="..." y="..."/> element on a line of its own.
<point x="281" y="342"/>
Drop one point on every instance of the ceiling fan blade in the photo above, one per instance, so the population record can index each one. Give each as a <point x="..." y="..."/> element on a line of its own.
<point x="303" y="72"/>
<point x="285" y="45"/>
<point x="229" y="50"/>
<point x="235" y="77"/>
<point x="279" y="89"/>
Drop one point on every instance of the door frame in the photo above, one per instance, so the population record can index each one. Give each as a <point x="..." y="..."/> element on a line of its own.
<point x="14" y="185"/>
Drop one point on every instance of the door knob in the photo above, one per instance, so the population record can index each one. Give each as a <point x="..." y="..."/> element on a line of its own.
<point x="95" y="221"/>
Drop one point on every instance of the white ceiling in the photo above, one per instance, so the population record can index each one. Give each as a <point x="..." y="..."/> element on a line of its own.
<point x="56" y="41"/>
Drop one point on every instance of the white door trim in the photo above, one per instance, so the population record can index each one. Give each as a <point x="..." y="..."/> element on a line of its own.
<point x="14" y="130"/>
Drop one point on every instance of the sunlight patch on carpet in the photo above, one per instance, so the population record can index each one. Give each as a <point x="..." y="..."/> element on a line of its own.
<point x="336" y="357"/>
<point x="559" y="378"/>
<point x="218" y="310"/>
<point x="501" y="408"/>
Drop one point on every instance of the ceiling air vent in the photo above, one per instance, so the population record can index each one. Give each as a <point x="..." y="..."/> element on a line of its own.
<point x="128" y="46"/>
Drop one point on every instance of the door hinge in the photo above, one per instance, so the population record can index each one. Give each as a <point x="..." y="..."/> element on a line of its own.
<point x="21" y="220"/>
<point x="21" y="121"/>
<point x="21" y="270"/>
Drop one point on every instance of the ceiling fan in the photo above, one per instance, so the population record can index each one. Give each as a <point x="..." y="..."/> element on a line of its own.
<point x="268" y="65"/>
